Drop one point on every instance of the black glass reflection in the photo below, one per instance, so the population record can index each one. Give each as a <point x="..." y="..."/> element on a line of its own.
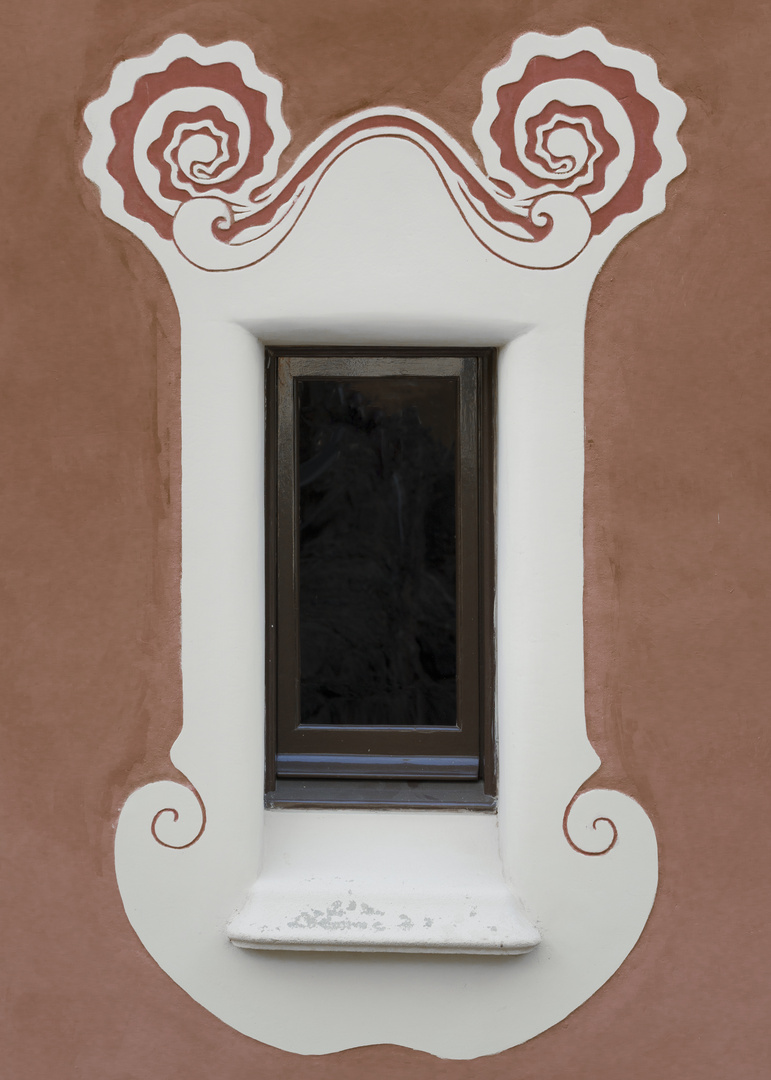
<point x="377" y="561"/>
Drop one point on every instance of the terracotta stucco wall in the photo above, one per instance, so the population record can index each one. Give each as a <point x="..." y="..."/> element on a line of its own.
<point x="678" y="534"/>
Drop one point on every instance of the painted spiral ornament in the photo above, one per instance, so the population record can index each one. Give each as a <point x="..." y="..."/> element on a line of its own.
<point x="193" y="130"/>
<point x="574" y="133"/>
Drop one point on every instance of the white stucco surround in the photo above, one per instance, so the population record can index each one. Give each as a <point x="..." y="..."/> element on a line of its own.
<point x="381" y="255"/>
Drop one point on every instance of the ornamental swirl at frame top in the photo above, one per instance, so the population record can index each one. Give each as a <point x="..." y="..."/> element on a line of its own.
<point x="576" y="136"/>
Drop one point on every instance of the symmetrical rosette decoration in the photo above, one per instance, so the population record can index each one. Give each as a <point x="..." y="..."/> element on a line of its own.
<point x="575" y="135"/>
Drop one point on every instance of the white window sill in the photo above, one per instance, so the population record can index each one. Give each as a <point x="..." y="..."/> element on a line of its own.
<point x="382" y="882"/>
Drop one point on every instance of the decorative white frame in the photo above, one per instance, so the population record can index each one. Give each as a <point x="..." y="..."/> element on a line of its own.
<point x="366" y="248"/>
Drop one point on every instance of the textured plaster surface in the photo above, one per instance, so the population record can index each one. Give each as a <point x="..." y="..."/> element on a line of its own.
<point x="677" y="537"/>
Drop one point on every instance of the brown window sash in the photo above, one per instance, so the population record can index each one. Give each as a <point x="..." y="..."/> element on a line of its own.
<point x="311" y="752"/>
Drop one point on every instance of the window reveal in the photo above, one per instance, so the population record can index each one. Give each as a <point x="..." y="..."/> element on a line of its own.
<point x="379" y="574"/>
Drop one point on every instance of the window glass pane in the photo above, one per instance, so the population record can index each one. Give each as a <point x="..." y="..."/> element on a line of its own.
<point x="377" y="551"/>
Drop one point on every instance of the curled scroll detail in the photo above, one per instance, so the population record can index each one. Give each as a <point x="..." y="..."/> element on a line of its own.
<point x="188" y="815"/>
<point x="579" y="816"/>
<point x="574" y="133"/>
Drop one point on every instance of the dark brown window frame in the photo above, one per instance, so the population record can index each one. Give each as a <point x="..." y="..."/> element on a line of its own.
<point x="437" y="768"/>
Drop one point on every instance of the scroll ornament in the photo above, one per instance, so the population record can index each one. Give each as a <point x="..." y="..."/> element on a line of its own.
<point x="576" y="136"/>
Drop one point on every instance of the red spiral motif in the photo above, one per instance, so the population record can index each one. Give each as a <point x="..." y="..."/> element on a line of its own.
<point x="177" y="130"/>
<point x="183" y="73"/>
<point x="575" y="847"/>
<point x="175" y="814"/>
<point x="603" y="148"/>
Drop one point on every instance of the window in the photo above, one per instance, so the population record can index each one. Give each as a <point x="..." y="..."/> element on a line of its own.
<point x="379" y="577"/>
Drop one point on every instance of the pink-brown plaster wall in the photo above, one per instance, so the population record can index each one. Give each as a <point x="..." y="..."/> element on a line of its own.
<point x="678" y="534"/>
